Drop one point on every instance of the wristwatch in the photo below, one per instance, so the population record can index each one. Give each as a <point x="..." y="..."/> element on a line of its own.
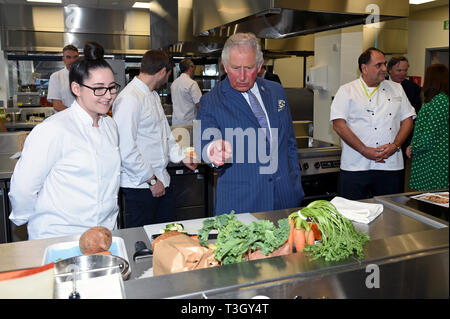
<point x="153" y="181"/>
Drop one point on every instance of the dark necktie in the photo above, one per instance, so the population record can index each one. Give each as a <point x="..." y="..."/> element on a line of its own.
<point x="259" y="113"/>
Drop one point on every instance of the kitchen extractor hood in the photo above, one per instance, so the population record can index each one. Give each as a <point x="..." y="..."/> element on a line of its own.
<point x="171" y="27"/>
<point x="277" y="19"/>
<point x="28" y="28"/>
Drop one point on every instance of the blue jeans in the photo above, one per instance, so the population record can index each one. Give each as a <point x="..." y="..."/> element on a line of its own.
<point x="141" y="208"/>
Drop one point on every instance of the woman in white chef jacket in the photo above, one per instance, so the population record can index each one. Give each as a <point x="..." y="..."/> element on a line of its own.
<point x="67" y="178"/>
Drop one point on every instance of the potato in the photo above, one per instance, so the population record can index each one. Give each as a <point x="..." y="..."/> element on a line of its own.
<point x="95" y="240"/>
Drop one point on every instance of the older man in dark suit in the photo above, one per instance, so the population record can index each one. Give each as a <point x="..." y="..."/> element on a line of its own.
<point x="397" y="68"/>
<point x="248" y="135"/>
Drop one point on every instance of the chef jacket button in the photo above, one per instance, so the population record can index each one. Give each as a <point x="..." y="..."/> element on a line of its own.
<point x="375" y="128"/>
<point x="373" y="113"/>
<point x="390" y="128"/>
<point x="377" y="143"/>
<point x="270" y="179"/>
<point x="390" y="113"/>
<point x="389" y="99"/>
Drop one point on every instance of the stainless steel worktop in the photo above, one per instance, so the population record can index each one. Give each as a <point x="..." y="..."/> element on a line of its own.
<point x="7" y="165"/>
<point x="395" y="238"/>
<point x="410" y="250"/>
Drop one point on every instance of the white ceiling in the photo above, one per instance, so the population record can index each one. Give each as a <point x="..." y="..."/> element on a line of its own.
<point x="428" y="5"/>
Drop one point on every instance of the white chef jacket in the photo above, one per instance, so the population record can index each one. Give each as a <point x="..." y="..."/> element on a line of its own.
<point x="59" y="88"/>
<point x="375" y="121"/>
<point x="145" y="138"/>
<point x="185" y="94"/>
<point x="67" y="178"/>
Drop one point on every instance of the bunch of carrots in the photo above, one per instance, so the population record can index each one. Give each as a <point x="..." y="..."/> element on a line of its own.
<point x="302" y="233"/>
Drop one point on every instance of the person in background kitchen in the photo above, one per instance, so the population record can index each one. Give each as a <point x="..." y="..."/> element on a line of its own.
<point x="147" y="144"/>
<point x="263" y="73"/>
<point x="242" y="101"/>
<point x="59" y="91"/>
<point x="430" y="143"/>
<point x="67" y="178"/>
<point x="373" y="117"/>
<point x="397" y="68"/>
<point x="186" y="95"/>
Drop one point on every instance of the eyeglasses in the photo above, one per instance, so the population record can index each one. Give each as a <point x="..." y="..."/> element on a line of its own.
<point x="100" y="91"/>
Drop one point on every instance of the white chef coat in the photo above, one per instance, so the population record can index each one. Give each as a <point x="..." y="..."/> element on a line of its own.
<point x="145" y="138"/>
<point x="185" y="94"/>
<point x="67" y="178"/>
<point x="375" y="121"/>
<point x="59" y="88"/>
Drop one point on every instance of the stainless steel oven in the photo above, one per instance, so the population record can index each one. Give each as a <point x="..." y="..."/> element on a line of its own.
<point x="319" y="163"/>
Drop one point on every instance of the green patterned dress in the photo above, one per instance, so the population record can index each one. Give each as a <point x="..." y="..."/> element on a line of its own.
<point x="430" y="146"/>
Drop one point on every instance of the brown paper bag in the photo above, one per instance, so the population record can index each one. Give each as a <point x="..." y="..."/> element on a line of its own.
<point x="257" y="254"/>
<point x="181" y="253"/>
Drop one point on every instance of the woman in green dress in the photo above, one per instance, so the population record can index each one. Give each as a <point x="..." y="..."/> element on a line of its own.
<point x="430" y="143"/>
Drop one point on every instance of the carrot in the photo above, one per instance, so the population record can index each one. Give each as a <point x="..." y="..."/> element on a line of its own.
<point x="309" y="236"/>
<point x="299" y="239"/>
<point x="195" y="237"/>
<point x="316" y="231"/>
<point x="291" y="236"/>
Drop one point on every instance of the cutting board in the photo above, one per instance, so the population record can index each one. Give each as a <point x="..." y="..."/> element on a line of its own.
<point x="192" y="226"/>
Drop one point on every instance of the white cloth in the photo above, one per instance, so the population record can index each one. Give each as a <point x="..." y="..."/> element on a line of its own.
<point x="59" y="87"/>
<point x="67" y="178"/>
<point x="146" y="141"/>
<point x="375" y="121"/>
<point x="185" y="94"/>
<point x="357" y="211"/>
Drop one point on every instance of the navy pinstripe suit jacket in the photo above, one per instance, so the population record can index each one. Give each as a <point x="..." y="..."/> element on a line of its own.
<point x="241" y="186"/>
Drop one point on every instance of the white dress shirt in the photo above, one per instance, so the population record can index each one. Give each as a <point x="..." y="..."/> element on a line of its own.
<point x="145" y="138"/>
<point x="256" y="92"/>
<point x="67" y="178"/>
<point x="185" y="94"/>
<point x="59" y="88"/>
<point x="375" y="120"/>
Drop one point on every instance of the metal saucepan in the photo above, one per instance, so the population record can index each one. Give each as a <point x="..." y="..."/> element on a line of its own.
<point x="90" y="266"/>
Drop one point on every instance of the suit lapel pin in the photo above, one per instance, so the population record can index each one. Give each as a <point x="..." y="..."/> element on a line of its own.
<point x="262" y="88"/>
<point x="281" y="105"/>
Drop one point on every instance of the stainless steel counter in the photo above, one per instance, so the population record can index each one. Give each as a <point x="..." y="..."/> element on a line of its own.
<point x="409" y="250"/>
<point x="6" y="166"/>
<point x="399" y="243"/>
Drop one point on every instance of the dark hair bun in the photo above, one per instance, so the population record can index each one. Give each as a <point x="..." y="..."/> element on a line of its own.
<point x="93" y="51"/>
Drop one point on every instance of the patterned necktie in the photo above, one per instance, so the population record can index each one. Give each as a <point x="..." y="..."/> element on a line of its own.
<point x="259" y="113"/>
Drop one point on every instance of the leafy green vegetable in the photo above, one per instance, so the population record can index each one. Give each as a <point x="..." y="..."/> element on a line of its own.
<point x="339" y="238"/>
<point x="235" y="238"/>
<point x="173" y="226"/>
